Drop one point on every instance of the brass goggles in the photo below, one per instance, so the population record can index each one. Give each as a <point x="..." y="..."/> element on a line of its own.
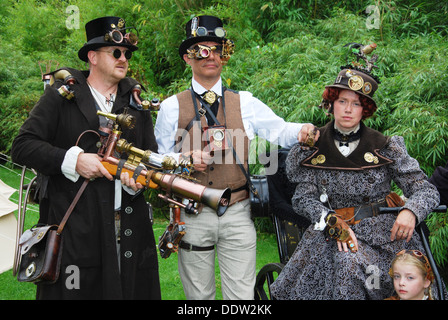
<point x="202" y="52"/>
<point x="116" y="35"/>
<point x="203" y="31"/>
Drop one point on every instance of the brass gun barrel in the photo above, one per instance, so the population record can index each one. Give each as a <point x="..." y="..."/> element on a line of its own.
<point x="147" y="156"/>
<point x="217" y="199"/>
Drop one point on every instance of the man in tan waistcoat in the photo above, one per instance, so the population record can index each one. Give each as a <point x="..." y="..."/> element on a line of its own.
<point x="206" y="121"/>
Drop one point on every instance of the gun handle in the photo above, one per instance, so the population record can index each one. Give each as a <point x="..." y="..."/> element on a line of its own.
<point x="176" y="214"/>
<point x="112" y="168"/>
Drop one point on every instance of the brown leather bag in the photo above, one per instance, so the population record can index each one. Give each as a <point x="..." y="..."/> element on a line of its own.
<point x="40" y="249"/>
<point x="41" y="254"/>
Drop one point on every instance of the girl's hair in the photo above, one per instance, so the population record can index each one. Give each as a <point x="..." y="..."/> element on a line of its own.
<point x="417" y="259"/>
<point x="331" y="94"/>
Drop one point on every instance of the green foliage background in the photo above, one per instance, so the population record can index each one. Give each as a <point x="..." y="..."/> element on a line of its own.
<point x="286" y="52"/>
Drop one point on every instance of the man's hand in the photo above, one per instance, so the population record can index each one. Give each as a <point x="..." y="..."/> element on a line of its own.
<point x="308" y="130"/>
<point x="89" y="166"/>
<point x="130" y="182"/>
<point x="201" y="160"/>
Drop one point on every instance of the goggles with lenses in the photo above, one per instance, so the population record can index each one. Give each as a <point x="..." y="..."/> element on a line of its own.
<point x="201" y="52"/>
<point x="203" y="31"/>
<point x="117" y="53"/>
<point x="116" y="35"/>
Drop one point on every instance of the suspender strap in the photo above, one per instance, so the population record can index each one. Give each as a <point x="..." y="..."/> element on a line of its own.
<point x="240" y="164"/>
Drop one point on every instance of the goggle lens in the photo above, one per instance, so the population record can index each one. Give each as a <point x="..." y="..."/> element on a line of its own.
<point x="117" y="37"/>
<point x="202" y="32"/>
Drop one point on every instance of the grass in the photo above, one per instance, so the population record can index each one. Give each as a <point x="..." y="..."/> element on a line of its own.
<point x="171" y="286"/>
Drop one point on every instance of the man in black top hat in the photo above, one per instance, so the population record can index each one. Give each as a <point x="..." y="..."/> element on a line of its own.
<point x="194" y="123"/>
<point x="108" y="239"/>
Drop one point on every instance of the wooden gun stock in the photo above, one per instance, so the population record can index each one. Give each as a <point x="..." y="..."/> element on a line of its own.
<point x="142" y="177"/>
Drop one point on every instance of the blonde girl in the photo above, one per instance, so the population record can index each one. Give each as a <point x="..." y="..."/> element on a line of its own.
<point x="412" y="276"/>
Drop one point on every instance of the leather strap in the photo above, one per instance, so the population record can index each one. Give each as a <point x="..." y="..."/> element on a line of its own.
<point x="354" y="215"/>
<point x="189" y="247"/>
<point x="72" y="206"/>
<point x="119" y="168"/>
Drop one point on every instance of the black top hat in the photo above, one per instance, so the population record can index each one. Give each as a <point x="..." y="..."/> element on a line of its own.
<point x="105" y="32"/>
<point x="202" y="28"/>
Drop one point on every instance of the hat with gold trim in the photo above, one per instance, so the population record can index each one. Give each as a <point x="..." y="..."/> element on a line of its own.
<point x="356" y="76"/>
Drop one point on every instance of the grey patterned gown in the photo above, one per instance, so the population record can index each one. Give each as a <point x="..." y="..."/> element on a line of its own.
<point x="317" y="270"/>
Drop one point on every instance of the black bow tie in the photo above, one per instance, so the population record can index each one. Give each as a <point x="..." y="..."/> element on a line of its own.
<point x="346" y="138"/>
<point x="343" y="144"/>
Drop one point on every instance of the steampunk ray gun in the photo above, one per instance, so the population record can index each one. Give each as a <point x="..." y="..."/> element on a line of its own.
<point x="150" y="169"/>
<point x="138" y="166"/>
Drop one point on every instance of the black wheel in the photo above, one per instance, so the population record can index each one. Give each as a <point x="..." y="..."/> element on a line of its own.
<point x="266" y="275"/>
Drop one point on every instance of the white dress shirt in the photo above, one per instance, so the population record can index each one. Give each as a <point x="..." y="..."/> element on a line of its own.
<point x="68" y="166"/>
<point x="258" y="119"/>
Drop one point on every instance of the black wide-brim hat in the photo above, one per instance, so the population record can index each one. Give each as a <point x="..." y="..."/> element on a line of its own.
<point x="96" y="31"/>
<point x="357" y="81"/>
<point x="208" y="22"/>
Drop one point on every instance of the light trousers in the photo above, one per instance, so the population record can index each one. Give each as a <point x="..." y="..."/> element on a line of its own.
<point x="234" y="237"/>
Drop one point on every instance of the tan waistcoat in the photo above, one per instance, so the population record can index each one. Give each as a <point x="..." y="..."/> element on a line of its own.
<point x="223" y="172"/>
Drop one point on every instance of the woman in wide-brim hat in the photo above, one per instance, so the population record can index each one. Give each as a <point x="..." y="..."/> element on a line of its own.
<point x="341" y="182"/>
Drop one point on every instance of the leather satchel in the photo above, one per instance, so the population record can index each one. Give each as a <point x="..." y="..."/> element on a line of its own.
<point x="40" y="249"/>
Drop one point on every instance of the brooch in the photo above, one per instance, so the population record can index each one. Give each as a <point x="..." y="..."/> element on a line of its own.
<point x="369" y="157"/>
<point x="318" y="160"/>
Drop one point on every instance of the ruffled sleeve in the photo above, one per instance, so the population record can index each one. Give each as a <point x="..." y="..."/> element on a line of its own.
<point x="421" y="195"/>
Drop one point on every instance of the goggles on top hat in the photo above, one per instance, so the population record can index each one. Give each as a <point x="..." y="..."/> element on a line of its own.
<point x="118" y="35"/>
<point x="203" y="31"/>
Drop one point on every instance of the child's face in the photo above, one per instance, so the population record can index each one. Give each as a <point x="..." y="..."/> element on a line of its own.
<point x="409" y="282"/>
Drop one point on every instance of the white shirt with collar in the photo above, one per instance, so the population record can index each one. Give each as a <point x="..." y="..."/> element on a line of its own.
<point x="68" y="166"/>
<point x="258" y="119"/>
